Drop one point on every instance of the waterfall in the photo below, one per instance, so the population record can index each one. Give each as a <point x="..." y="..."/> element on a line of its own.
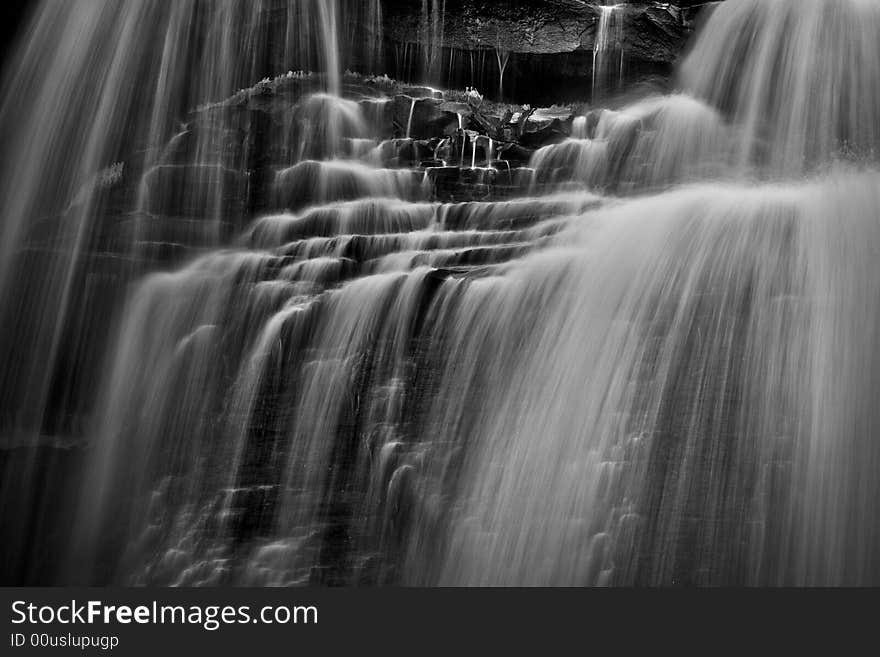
<point x="100" y="182"/>
<point x="327" y="11"/>
<point x="373" y="21"/>
<point x="282" y="356"/>
<point x="650" y="143"/>
<point x="412" y="108"/>
<point x="607" y="48"/>
<point x="67" y="118"/>
<point x="798" y="79"/>
<point x="663" y="423"/>
<point x="431" y="28"/>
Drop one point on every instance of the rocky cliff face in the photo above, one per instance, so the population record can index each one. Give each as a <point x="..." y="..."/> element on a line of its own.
<point x="539" y="26"/>
<point x="553" y="48"/>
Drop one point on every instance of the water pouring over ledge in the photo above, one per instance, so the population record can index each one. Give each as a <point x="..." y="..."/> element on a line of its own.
<point x="797" y="79"/>
<point x="663" y="375"/>
<point x="608" y="56"/>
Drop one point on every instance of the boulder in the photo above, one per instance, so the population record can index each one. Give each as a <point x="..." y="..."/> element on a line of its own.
<point x="421" y="118"/>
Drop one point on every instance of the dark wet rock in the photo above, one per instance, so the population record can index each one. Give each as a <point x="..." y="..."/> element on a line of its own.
<point x="421" y="92"/>
<point x="515" y="154"/>
<point x="540" y="26"/>
<point x="421" y="118"/>
<point x="464" y="109"/>
<point x="552" y="132"/>
<point x="543" y="47"/>
<point x="404" y="152"/>
<point x="379" y="114"/>
<point x="457" y="184"/>
<point x="198" y="191"/>
<point x="310" y="182"/>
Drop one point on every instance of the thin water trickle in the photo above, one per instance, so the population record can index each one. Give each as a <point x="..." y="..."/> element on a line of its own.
<point x="607" y="51"/>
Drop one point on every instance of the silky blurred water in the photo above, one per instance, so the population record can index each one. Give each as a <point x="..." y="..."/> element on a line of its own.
<point x="653" y="364"/>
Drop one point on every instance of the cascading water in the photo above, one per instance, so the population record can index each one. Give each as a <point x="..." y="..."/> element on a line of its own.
<point x="432" y="21"/>
<point x="86" y="81"/>
<point x="607" y="50"/>
<point x="652" y="365"/>
<point x="819" y="56"/>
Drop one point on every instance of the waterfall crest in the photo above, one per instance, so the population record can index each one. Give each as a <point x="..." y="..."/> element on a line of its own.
<point x="797" y="77"/>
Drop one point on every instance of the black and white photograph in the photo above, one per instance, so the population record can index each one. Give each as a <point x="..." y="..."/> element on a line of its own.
<point x="391" y="294"/>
